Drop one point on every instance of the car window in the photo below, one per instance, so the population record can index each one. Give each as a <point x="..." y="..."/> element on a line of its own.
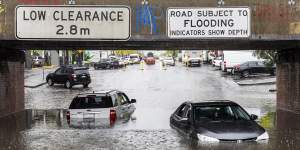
<point x="183" y="111"/>
<point x="260" y="63"/>
<point x="81" y="71"/>
<point x="114" y="99"/>
<point x="122" y="99"/>
<point x="222" y="112"/>
<point x="253" y="64"/>
<point x="58" y="71"/>
<point x="91" y="102"/>
<point x="240" y="114"/>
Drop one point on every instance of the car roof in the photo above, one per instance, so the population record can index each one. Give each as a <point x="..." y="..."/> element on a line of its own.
<point x="211" y="102"/>
<point x="75" y="67"/>
<point x="103" y="92"/>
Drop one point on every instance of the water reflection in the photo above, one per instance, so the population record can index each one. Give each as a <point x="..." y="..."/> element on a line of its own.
<point x="26" y="129"/>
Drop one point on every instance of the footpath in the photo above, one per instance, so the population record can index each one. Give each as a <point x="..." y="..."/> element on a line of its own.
<point x="36" y="77"/>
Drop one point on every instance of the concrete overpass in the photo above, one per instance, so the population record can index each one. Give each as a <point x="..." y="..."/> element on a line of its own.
<point x="274" y="25"/>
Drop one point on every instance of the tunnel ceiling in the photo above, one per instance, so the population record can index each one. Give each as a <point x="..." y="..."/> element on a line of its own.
<point x="275" y="24"/>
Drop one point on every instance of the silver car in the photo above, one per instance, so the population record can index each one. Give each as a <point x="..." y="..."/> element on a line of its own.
<point x="100" y="109"/>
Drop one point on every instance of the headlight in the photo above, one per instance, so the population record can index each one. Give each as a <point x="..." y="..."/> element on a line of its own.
<point x="204" y="138"/>
<point x="264" y="136"/>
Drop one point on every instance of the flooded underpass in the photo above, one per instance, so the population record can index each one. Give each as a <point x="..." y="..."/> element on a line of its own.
<point x="48" y="129"/>
<point x="43" y="125"/>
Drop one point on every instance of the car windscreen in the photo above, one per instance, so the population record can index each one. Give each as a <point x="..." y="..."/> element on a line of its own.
<point x="220" y="112"/>
<point x="81" y="71"/>
<point x="91" y="102"/>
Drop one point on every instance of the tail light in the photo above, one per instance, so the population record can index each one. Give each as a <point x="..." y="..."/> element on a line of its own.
<point x="224" y="64"/>
<point x="73" y="76"/>
<point x="68" y="117"/>
<point x="112" y="116"/>
<point x="237" y="67"/>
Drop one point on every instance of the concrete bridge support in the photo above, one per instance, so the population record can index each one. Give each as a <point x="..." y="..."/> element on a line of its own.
<point x="288" y="87"/>
<point x="11" y="81"/>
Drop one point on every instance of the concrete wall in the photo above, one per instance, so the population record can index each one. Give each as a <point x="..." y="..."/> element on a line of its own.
<point x="11" y="81"/>
<point x="288" y="81"/>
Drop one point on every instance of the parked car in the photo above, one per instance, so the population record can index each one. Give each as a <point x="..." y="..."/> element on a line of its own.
<point x="194" y="62"/>
<point x="232" y="58"/>
<point x="99" y="109"/>
<point x="134" y="58"/>
<point x="107" y="63"/>
<point x="168" y="61"/>
<point x="69" y="76"/>
<point x="192" y="57"/>
<point x="150" y="60"/>
<point x="217" y="62"/>
<point x="253" y="67"/>
<point x="38" y="61"/>
<point x="217" y="121"/>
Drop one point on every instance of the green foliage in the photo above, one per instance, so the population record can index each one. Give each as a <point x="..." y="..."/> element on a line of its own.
<point x="125" y="52"/>
<point x="171" y="53"/>
<point x="87" y="56"/>
<point x="267" y="121"/>
<point x="268" y="55"/>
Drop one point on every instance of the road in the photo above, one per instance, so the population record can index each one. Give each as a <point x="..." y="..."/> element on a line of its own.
<point x="158" y="92"/>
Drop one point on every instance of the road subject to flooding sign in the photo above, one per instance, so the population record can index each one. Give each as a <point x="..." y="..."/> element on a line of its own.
<point x="208" y="22"/>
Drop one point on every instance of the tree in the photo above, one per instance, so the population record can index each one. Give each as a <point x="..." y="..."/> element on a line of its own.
<point x="173" y="53"/>
<point x="268" y="55"/>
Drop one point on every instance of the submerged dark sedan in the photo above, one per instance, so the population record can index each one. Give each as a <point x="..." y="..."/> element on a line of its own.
<point x="215" y="121"/>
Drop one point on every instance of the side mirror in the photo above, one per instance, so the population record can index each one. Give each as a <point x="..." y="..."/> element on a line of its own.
<point x="133" y="101"/>
<point x="253" y="117"/>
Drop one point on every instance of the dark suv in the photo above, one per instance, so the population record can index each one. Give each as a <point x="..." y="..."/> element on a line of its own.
<point x="69" y="76"/>
<point x="109" y="63"/>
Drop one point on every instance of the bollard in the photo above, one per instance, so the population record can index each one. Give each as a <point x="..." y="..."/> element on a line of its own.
<point x="164" y="66"/>
<point x="124" y="67"/>
<point x="142" y="65"/>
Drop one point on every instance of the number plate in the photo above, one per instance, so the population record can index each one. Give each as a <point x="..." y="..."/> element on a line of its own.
<point x="88" y="119"/>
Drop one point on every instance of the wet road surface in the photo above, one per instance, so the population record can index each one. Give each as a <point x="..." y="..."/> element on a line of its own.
<point x="158" y="92"/>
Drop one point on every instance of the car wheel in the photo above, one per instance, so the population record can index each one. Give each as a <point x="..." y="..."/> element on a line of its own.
<point x="246" y="74"/>
<point x="50" y="82"/>
<point x="85" y="85"/>
<point x="68" y="84"/>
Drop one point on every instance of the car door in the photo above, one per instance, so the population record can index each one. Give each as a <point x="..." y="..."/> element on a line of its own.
<point x="261" y="68"/>
<point x="131" y="107"/>
<point x="184" y="122"/>
<point x="120" y="109"/>
<point x="57" y="75"/>
<point x="125" y="105"/>
<point x="181" y="121"/>
<point x="253" y="67"/>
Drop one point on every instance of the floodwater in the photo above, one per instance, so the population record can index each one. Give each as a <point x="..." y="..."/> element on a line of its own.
<point x="158" y="92"/>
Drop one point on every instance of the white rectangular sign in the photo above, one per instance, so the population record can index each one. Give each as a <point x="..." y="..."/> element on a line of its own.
<point x="195" y="23"/>
<point x="73" y="22"/>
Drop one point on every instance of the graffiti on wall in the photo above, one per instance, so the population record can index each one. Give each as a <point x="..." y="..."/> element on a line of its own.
<point x="147" y="16"/>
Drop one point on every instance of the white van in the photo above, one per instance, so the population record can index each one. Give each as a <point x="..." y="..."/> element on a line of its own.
<point x="232" y="58"/>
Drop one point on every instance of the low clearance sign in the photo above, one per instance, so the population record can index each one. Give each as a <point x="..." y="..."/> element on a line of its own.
<point x="208" y="23"/>
<point x="73" y="22"/>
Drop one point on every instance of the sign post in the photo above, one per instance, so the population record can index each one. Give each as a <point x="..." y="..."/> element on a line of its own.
<point x="72" y="22"/>
<point x="195" y="23"/>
